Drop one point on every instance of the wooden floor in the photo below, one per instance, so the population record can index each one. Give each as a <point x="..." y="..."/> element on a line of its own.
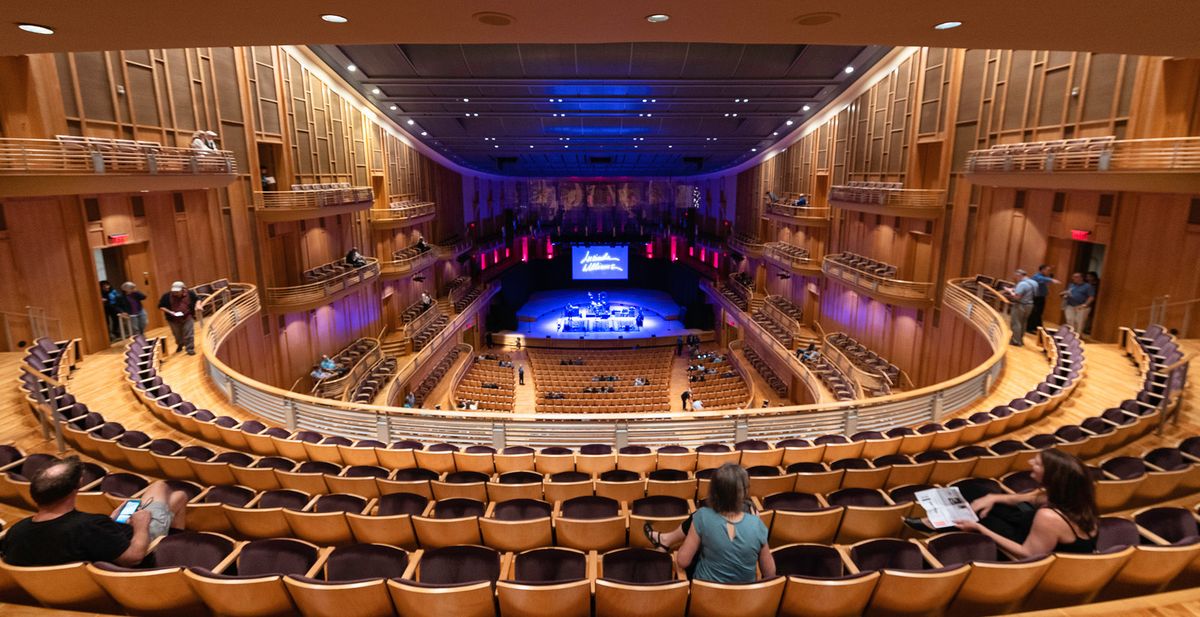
<point x="1110" y="378"/>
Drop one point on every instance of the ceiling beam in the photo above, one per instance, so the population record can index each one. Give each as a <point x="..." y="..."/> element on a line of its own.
<point x="572" y="82"/>
<point x="598" y="114"/>
<point x="661" y="101"/>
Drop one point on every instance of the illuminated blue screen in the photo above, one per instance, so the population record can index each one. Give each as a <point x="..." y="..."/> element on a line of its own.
<point x="599" y="263"/>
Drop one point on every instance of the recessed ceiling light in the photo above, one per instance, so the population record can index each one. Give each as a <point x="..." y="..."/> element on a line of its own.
<point x="466" y="100"/>
<point x="376" y="91"/>
<point x="531" y="147"/>
<point x="947" y="25"/>
<point x="393" y="108"/>
<point x="806" y="108"/>
<point x="848" y="70"/>
<point x="334" y="19"/>
<point x="653" y="100"/>
<point x="816" y="19"/>
<point x="566" y="146"/>
<point x="475" y="115"/>
<point x="754" y="149"/>
<point x="411" y="122"/>
<point x="635" y="146"/>
<point x="789" y="123"/>
<point x="496" y="146"/>
<point x="734" y="115"/>
<point x="36" y="29"/>
<point x="670" y="146"/>
<point x="492" y="18"/>
<point x="657" y="18"/>
<point x="726" y="115"/>
<point x="649" y="115"/>
<point x="776" y="133"/>
<point x="424" y="134"/>
<point x="351" y="68"/>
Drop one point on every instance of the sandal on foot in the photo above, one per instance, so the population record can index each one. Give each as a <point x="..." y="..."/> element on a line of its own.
<point x="656" y="542"/>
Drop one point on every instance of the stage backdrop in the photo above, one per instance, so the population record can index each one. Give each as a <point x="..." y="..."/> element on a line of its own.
<point x="600" y="262"/>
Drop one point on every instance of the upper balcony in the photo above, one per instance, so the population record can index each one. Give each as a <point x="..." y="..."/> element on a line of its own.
<point x="312" y="200"/>
<point x="795" y="209"/>
<point x="326" y="284"/>
<point x="452" y="250"/>
<point x="888" y="199"/>
<point x="792" y="258"/>
<point x="71" y="165"/>
<point x="880" y="284"/>
<point x="410" y="260"/>
<point x="745" y="244"/>
<point x="1163" y="165"/>
<point x="403" y="213"/>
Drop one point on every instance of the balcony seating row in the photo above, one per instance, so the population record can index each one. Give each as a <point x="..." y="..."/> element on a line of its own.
<point x="375" y="379"/>
<point x="435" y="376"/>
<point x="866" y="264"/>
<point x="842" y="387"/>
<point x="864" y="357"/>
<point x="777" y="384"/>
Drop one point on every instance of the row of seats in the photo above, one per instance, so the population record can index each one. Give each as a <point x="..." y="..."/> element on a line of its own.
<point x="218" y="288"/>
<point x="778" y="331"/>
<point x="732" y="293"/>
<point x="376" y="378"/>
<point x="467" y="298"/>
<point x="415" y="310"/>
<point x="842" y="387"/>
<point x="430" y="331"/>
<point x="324" y="186"/>
<point x="568" y="373"/>
<point x="354" y="361"/>
<point x="864" y="357"/>
<point x="777" y="384"/>
<point x="485" y="370"/>
<point x="866" y="264"/>
<point x="455" y="284"/>
<point x="411" y="252"/>
<point x="126" y="155"/>
<point x="1059" y="154"/>
<point x="788" y="308"/>
<point x="435" y="376"/>
<point x="724" y="389"/>
<point x="54" y="359"/>
<point x="864" y="192"/>
<point x="329" y="271"/>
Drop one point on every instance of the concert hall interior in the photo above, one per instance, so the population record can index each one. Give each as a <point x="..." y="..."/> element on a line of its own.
<point x="435" y="308"/>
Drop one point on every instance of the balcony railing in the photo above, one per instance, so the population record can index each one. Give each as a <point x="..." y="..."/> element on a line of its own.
<point x="806" y="214"/>
<point x="313" y="199"/>
<point x="888" y="198"/>
<point x="299" y="297"/>
<point x="398" y="213"/>
<point x="745" y="244"/>
<point x="70" y="155"/>
<point x="783" y="255"/>
<point x="450" y="251"/>
<point x="886" y="289"/>
<point x="1169" y="154"/>
<point x="415" y="263"/>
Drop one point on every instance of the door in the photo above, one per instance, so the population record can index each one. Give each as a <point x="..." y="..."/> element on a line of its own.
<point x="139" y="269"/>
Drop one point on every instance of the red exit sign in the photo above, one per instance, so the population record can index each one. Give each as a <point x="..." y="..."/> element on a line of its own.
<point x="1081" y="234"/>
<point x="115" y="239"/>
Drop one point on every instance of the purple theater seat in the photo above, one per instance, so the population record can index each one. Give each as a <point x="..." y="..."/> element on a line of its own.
<point x="809" y="560"/>
<point x="1116" y="533"/>
<point x="891" y="460"/>
<point x="339" y="502"/>
<point x="201" y="415"/>
<point x="932" y="427"/>
<point x="887" y="553"/>
<point x="828" y="439"/>
<point x="277" y="433"/>
<point x="90" y="472"/>
<point x="130" y="439"/>
<point x="459" y="565"/>
<point x="713" y="448"/>
<point x="865" y="435"/>
<point x="277" y="556"/>
<point x="706" y="474"/>
<point x="634" y="450"/>
<point x="1117" y="416"/>
<point x="659" y="506"/>
<point x="196" y="453"/>
<point x="1097" y="425"/>
<point x="1042" y="441"/>
<point x="443" y="447"/>
<point x="406" y="444"/>
<point x="308" y="436"/>
<point x="480" y="450"/>
<point x="792" y="502"/>
<point x="556" y="451"/>
<point x="595" y="449"/>
<point x="667" y="475"/>
<point x="1008" y="446"/>
<point x="457" y="507"/>
<point x="955" y="548"/>
<point x="163" y="447"/>
<point x="620" y="475"/>
<point x="1175" y="525"/>
<point x="933" y="455"/>
<point x="225" y="421"/>
<point x="956" y="423"/>
<point x="520" y="477"/>
<point x="850" y="463"/>
<point x="1125" y="467"/>
<point x="122" y="484"/>
<point x="319" y="467"/>
<point x="549" y="565"/>
<point x="237" y="459"/>
<point x="638" y="566"/>
<point x="365" y="471"/>
<point x="570" y="476"/>
<point x="1191" y="446"/>
<point x="1021" y="482"/>
<point x="794" y="443"/>
<point x="190" y="549"/>
<point x="466" y="477"/>
<point x="31" y="465"/>
<point x="752" y="444"/>
<point x="369" y="443"/>
<point x="966" y="452"/>
<point x="236" y="496"/>
<point x="673" y="450"/>
<point x="981" y="417"/>
<point x="764" y="471"/>
<point x="522" y="510"/>
<point x="275" y="462"/>
<point x="287" y="499"/>
<point x="907" y="493"/>
<point x="414" y="474"/>
<point x="395" y="504"/>
<point x="900" y="431"/>
<point x="590" y="507"/>
<point x="1168" y="459"/>
<point x="109" y="430"/>
<point x="365" y="561"/>
<point x="517" y="450"/>
<point x="861" y="497"/>
<point x="807" y="467"/>
<point x="336" y="440"/>
<point x="987" y="485"/>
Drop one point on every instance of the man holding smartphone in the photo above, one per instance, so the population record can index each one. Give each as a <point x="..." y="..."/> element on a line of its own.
<point x="59" y="534"/>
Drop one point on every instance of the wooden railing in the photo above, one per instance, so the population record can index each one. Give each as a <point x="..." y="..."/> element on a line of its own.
<point x="873" y="283"/>
<point x="779" y="208"/>
<point x="897" y="199"/>
<point x="396" y="213"/>
<point x="413" y="327"/>
<point x="416" y="263"/>
<point x="318" y="198"/>
<point x="866" y="382"/>
<point x="299" y="295"/>
<point x="743" y="371"/>
<point x="744" y="244"/>
<point x="387" y="424"/>
<point x="336" y="387"/>
<point x="775" y="252"/>
<point x="1167" y="154"/>
<point x="84" y="156"/>
<point x="450" y="251"/>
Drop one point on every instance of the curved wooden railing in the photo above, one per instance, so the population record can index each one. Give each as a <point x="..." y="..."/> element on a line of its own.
<point x="416" y="263"/>
<point x="742" y="371"/>
<point x="811" y="213"/>
<point x="1166" y="154"/>
<point x="873" y="283"/>
<point x="337" y="387"/>
<point x="744" y="244"/>
<point x="692" y="428"/>
<point x="299" y="295"/>
<point x="895" y="200"/>
<point x="774" y="251"/>
<point x="71" y="155"/>
<point x="396" y="213"/>
<point x="313" y="199"/>
<point x="867" y="382"/>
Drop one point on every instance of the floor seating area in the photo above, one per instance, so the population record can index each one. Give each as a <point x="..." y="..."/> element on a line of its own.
<point x="430" y="381"/>
<point x="842" y="387"/>
<point x="777" y="384"/>
<point x="864" y="357"/>
<point x="325" y="272"/>
<point x="375" y="379"/>
<point x="431" y="330"/>
<point x="866" y="264"/>
<point x="715" y="382"/>
<point x="489" y="383"/>
<point x="563" y="380"/>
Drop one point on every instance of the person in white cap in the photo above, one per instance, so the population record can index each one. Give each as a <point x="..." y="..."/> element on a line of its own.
<point x="199" y="141"/>
<point x="210" y="140"/>
<point x="179" y="306"/>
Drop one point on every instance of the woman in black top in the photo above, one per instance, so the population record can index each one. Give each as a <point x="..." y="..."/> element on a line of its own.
<point x="1059" y="517"/>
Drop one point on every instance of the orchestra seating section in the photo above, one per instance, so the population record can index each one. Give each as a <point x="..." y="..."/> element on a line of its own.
<point x="369" y="387"/>
<point x="431" y="330"/>
<point x="435" y="376"/>
<point x="713" y="381"/>
<point x="489" y="383"/>
<point x="866" y="264"/>
<point x="777" y="384"/>
<point x="777" y="330"/>
<point x="864" y="358"/>
<point x="842" y="387"/>
<point x="467" y="298"/>
<point x="327" y="271"/>
<point x="354" y="361"/>
<point x="569" y="381"/>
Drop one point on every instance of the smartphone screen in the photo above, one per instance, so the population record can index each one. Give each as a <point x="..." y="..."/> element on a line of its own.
<point x="127" y="510"/>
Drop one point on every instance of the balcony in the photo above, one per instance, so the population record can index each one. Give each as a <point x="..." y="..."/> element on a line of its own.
<point x="335" y="282"/>
<point x="312" y="200"/>
<point x="882" y="288"/>
<point x="454" y="249"/>
<point x="1163" y="165"/>
<point x="792" y="258"/>
<point x="745" y="244"/>
<point x="403" y="214"/>
<point x="888" y="199"/>
<point x="70" y="164"/>
<point x="785" y="211"/>
<point x="408" y="261"/>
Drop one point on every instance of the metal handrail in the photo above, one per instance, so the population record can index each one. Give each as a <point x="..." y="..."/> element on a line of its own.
<point x="71" y="155"/>
<point x="311" y="292"/>
<point x="779" y="208"/>
<point x="315" y="198"/>
<point x="914" y="290"/>
<point x="1160" y="154"/>
<point x="887" y="196"/>
<point x="398" y="212"/>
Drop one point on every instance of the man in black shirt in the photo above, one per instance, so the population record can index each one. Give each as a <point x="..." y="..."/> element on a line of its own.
<point x="59" y="534"/>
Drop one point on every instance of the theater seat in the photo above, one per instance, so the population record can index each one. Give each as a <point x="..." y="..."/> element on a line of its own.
<point x="820" y="582"/>
<point x="547" y="582"/>
<point x="352" y="582"/>
<point x="1076" y="579"/>
<point x="68" y="586"/>
<point x="996" y="585"/>
<point x="663" y="512"/>
<point x="389" y="521"/>
<point x="257" y="588"/>
<point x="590" y="523"/>
<point x="163" y="589"/>
<point x="451" y="580"/>
<point x="911" y="582"/>
<point x="800" y="517"/>
<point x="449" y="522"/>
<point x="757" y="599"/>
<point x="517" y="524"/>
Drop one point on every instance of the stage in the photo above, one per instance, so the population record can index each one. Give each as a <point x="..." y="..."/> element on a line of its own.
<point x="569" y="314"/>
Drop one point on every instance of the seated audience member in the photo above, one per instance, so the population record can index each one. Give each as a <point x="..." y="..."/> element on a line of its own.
<point x="354" y="259"/>
<point x="810" y="353"/>
<point x="724" y="540"/>
<point x="410" y="400"/>
<point x="1059" y="517"/>
<point x="766" y="403"/>
<point x="421" y="244"/>
<point x="59" y="534"/>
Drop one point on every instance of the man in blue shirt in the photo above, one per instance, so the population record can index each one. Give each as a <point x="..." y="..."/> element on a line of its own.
<point x="1043" y="277"/>
<point x="1077" y="302"/>
<point x="1021" y="297"/>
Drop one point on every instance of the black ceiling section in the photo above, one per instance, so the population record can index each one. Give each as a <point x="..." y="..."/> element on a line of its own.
<point x="634" y="109"/>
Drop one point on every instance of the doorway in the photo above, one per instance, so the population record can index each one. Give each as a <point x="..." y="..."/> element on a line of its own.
<point x="270" y="159"/>
<point x="127" y="263"/>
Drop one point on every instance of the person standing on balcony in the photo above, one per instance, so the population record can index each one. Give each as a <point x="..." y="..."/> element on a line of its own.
<point x="199" y="141"/>
<point x="268" y="181"/>
<point x="1043" y="277"/>
<point x="210" y="140"/>
<point x="1021" y="296"/>
<point x="1078" y="300"/>
<point x="179" y="307"/>
<point x="354" y="259"/>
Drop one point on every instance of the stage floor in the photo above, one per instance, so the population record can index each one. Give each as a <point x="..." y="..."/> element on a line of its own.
<point x="542" y="316"/>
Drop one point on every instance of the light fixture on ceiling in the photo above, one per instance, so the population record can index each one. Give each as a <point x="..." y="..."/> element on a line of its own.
<point x="424" y="134"/>
<point x="465" y="100"/>
<point x="806" y="108"/>
<point x="411" y="122"/>
<point x="734" y="115"/>
<point x="848" y="70"/>
<point x="947" y="25"/>
<point x="530" y="147"/>
<point x="376" y="91"/>
<point x="496" y="146"/>
<point x="726" y="115"/>
<point x="393" y="107"/>
<point x="334" y="19"/>
<point x="566" y="146"/>
<point x="670" y="146"/>
<point x="657" y="18"/>
<point x="775" y="133"/>
<point x="475" y="115"/>
<point x="467" y="115"/>
<point x="819" y="18"/>
<point x="754" y="149"/>
<point x="635" y="146"/>
<point x="551" y="100"/>
<point x="492" y="18"/>
<point x="653" y="100"/>
<point x="36" y="29"/>
<point x="789" y="123"/>
<point x="351" y="67"/>
<point x="649" y="115"/>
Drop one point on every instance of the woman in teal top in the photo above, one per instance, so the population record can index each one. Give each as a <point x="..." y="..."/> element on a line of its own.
<point x="725" y="540"/>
